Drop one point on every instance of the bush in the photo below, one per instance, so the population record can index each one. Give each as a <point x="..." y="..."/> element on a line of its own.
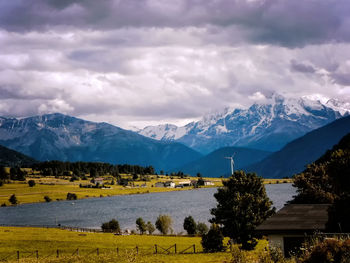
<point x="71" y="196"/>
<point x="111" y="227"/>
<point x="13" y="199"/>
<point x="328" y="251"/>
<point x="163" y="224"/>
<point x="31" y="183"/>
<point x="238" y="256"/>
<point x="212" y="241"/>
<point x="47" y="199"/>
<point x="190" y="225"/>
<point x="202" y="228"/>
<point x="141" y="225"/>
<point x="150" y="228"/>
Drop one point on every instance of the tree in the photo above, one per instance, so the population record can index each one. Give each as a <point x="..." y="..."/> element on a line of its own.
<point x="31" y="183"/>
<point x="242" y="206"/>
<point x="141" y="225"/>
<point x="213" y="240"/>
<point x="325" y="180"/>
<point x="163" y="224"/>
<point x="202" y="228"/>
<point x="190" y="225"/>
<point x="150" y="228"/>
<point x="71" y="196"/>
<point x="47" y="199"/>
<point x="339" y="214"/>
<point x="13" y="199"/>
<point x="111" y="226"/>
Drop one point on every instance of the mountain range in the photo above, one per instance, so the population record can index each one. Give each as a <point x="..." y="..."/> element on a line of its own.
<point x="266" y="126"/>
<point x="294" y="157"/>
<point x="216" y="165"/>
<point x="12" y="158"/>
<point x="65" y="138"/>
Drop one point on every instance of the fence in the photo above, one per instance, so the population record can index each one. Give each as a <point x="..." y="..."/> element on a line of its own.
<point x="61" y="253"/>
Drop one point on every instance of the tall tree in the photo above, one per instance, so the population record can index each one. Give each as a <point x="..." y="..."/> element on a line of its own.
<point x="141" y="225"/>
<point x="190" y="225"/>
<point x="242" y="205"/>
<point x="163" y="224"/>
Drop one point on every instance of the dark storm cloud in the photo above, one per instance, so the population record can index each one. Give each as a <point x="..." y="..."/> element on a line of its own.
<point x="301" y="67"/>
<point x="282" y="22"/>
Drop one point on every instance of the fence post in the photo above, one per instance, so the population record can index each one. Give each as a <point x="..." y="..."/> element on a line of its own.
<point x="97" y="251"/>
<point x="175" y="248"/>
<point x="156" y="249"/>
<point x="58" y="253"/>
<point x="77" y="251"/>
<point x="17" y="255"/>
<point x="137" y="250"/>
<point x="118" y="251"/>
<point x="194" y="249"/>
<point x="37" y="254"/>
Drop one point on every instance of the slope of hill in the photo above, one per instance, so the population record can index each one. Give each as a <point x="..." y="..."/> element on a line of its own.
<point x="12" y="158"/>
<point x="297" y="154"/>
<point x="65" y="138"/>
<point x="266" y="126"/>
<point x="215" y="164"/>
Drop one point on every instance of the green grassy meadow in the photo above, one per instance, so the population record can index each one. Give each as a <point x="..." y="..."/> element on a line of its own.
<point x="28" y="240"/>
<point x="57" y="189"/>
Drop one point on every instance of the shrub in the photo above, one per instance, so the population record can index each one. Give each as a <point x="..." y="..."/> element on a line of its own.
<point x="31" y="183"/>
<point x="190" y="225"/>
<point x="202" y="228"/>
<point x="111" y="226"/>
<point x="327" y="251"/>
<point x="13" y="199"/>
<point x="212" y="241"/>
<point x="47" y="199"/>
<point x="71" y="196"/>
<point x="141" y="225"/>
<point x="163" y="224"/>
<point x="150" y="228"/>
<point x="238" y="256"/>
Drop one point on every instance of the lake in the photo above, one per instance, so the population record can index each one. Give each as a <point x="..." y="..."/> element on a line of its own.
<point x="91" y="213"/>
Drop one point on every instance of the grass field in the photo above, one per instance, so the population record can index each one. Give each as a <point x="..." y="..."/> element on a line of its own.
<point x="57" y="189"/>
<point x="46" y="241"/>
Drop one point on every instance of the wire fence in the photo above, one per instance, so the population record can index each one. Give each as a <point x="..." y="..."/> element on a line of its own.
<point x="19" y="255"/>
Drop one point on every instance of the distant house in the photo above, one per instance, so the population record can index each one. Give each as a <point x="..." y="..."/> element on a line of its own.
<point x="291" y="225"/>
<point x="207" y="182"/>
<point x="159" y="184"/>
<point x="168" y="184"/>
<point x="98" y="181"/>
<point x="185" y="183"/>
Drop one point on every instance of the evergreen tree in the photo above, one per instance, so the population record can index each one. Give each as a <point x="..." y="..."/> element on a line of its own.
<point x="242" y="206"/>
<point x="213" y="240"/>
<point x="190" y="225"/>
<point x="13" y="199"/>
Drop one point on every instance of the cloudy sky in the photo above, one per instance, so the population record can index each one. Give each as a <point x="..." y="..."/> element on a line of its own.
<point x="140" y="62"/>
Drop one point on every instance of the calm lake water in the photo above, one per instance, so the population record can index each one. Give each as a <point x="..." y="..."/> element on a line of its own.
<point x="91" y="213"/>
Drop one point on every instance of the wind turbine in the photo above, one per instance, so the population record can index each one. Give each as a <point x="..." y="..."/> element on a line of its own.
<point x="232" y="162"/>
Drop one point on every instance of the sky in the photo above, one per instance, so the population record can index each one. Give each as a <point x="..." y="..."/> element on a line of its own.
<point x="146" y="62"/>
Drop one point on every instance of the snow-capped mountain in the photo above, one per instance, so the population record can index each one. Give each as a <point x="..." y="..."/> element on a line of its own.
<point x="61" y="137"/>
<point x="266" y="126"/>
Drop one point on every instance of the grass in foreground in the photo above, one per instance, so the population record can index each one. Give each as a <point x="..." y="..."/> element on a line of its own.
<point x="47" y="241"/>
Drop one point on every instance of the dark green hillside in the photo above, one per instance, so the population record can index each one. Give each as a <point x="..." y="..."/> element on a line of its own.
<point x="294" y="157"/>
<point x="12" y="158"/>
<point x="215" y="165"/>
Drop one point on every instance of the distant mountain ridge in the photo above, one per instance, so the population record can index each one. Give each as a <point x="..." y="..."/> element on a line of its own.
<point x="216" y="165"/>
<point x="61" y="137"/>
<point x="266" y="126"/>
<point x="294" y="157"/>
<point x="13" y="158"/>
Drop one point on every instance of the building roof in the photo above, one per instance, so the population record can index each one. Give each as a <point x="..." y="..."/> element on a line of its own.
<point x="296" y="218"/>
